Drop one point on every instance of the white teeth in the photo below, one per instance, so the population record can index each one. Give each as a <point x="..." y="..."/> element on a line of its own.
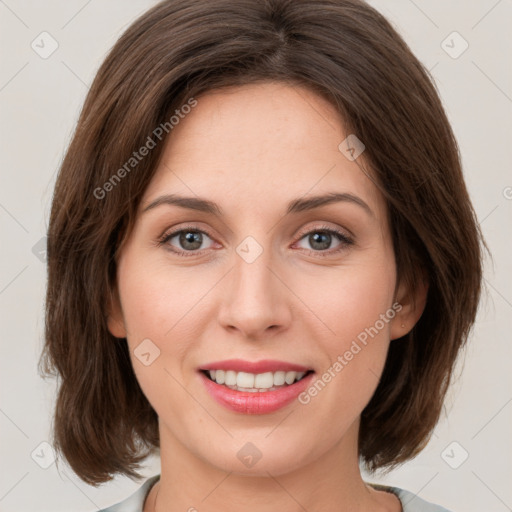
<point x="244" y="381"/>
<point x="279" y="378"/>
<point x="230" y="379"/>
<point x="290" y="377"/>
<point x="263" y="380"/>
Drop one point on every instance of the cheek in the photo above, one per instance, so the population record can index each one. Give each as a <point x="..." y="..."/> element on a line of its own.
<point x="166" y="307"/>
<point x="355" y="307"/>
<point x="155" y="313"/>
<point x="153" y="301"/>
<point x="365" y="321"/>
<point x="348" y="299"/>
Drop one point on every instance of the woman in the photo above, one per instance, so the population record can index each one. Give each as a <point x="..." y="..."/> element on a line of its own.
<point x="263" y="260"/>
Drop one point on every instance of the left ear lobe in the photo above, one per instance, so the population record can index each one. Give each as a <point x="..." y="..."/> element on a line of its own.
<point x="413" y="304"/>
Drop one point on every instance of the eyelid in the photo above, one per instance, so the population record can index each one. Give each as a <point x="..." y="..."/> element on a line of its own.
<point x="324" y="227"/>
<point x="346" y="238"/>
<point x="170" y="233"/>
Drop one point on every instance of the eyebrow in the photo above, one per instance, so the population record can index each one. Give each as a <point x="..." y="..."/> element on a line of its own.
<point x="295" y="206"/>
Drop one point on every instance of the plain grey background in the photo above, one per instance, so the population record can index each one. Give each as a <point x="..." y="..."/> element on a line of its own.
<point x="466" y="45"/>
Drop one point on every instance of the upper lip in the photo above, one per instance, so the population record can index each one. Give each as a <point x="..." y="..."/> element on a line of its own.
<point x="265" y="365"/>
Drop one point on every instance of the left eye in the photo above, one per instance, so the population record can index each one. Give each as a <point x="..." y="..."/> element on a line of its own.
<point x="321" y="239"/>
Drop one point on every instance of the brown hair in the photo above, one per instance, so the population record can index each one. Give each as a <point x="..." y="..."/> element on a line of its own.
<point x="345" y="51"/>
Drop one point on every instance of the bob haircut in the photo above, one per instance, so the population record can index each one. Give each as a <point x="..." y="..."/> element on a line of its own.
<point x="345" y="51"/>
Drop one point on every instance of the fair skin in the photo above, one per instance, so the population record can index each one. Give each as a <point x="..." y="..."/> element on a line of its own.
<point x="252" y="150"/>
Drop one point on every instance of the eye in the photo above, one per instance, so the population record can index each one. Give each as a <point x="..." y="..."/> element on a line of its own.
<point x="189" y="241"/>
<point x="321" y="238"/>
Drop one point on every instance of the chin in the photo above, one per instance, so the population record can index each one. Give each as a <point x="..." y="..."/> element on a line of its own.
<point x="258" y="456"/>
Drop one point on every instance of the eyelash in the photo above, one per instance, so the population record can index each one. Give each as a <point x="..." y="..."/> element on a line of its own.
<point x="345" y="240"/>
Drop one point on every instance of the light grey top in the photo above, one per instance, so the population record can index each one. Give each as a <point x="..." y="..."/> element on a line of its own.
<point x="410" y="502"/>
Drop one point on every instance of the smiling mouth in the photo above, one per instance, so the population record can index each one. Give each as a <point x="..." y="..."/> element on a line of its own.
<point x="254" y="383"/>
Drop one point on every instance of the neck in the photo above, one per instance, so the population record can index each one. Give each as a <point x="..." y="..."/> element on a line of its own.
<point x="188" y="482"/>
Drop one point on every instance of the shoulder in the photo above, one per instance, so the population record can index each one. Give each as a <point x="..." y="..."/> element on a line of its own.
<point x="413" y="503"/>
<point x="410" y="502"/>
<point x="135" y="502"/>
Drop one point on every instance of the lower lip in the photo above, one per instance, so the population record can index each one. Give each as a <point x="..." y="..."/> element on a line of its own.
<point x="258" y="402"/>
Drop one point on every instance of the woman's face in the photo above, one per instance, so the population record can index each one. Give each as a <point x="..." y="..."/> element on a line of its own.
<point x="259" y="273"/>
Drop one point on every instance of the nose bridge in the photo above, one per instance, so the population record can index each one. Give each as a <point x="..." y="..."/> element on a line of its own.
<point x="255" y="299"/>
<point x="253" y="278"/>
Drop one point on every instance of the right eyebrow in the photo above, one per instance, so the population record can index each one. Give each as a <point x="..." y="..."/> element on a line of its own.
<point x="192" y="203"/>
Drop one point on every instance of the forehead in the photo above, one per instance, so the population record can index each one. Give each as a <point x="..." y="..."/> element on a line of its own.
<point x="259" y="146"/>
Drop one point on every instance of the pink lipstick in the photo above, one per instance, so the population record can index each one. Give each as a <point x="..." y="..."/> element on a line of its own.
<point x="258" y="387"/>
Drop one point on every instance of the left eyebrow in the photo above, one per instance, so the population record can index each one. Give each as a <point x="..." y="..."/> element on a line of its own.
<point x="294" y="206"/>
<point x="300" y="205"/>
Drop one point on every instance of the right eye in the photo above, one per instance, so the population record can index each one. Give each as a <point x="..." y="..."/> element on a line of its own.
<point x="189" y="239"/>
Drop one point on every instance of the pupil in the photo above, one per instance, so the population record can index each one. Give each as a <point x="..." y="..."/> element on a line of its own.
<point x="315" y="239"/>
<point x="192" y="237"/>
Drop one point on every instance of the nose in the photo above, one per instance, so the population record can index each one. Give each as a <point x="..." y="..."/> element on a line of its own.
<point x="256" y="299"/>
